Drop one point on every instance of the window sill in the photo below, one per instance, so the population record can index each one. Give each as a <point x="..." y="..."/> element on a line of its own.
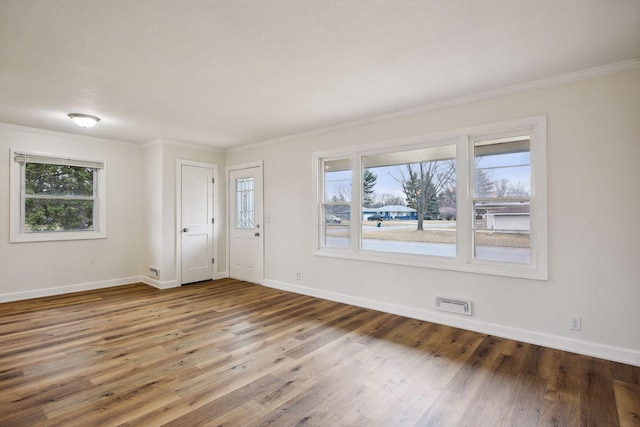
<point x="439" y="263"/>
<point x="56" y="236"/>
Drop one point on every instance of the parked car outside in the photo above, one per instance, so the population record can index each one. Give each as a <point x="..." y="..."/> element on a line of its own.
<point x="333" y="218"/>
<point x="375" y="217"/>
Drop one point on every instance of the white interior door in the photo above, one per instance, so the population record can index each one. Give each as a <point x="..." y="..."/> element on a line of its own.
<point x="196" y="224"/>
<point x="245" y="224"/>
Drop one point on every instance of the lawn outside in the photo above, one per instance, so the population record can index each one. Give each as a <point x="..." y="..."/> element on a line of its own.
<point x="434" y="232"/>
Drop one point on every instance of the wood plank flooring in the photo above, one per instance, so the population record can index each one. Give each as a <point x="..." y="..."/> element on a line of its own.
<point x="231" y="353"/>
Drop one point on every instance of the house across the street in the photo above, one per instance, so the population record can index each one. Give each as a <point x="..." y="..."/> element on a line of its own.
<point x="390" y="212"/>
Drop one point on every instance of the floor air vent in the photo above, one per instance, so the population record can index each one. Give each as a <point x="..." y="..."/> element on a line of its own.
<point x="454" y="305"/>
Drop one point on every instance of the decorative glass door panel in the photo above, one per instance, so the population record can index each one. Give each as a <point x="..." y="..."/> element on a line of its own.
<point x="245" y="203"/>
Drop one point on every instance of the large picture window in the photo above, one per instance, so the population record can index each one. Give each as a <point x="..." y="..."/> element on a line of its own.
<point x="470" y="200"/>
<point x="56" y="198"/>
<point x="409" y="201"/>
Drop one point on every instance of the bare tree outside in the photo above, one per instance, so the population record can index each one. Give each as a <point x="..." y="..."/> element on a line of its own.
<point x="388" y="199"/>
<point x="422" y="183"/>
<point x="344" y="194"/>
<point x="504" y="188"/>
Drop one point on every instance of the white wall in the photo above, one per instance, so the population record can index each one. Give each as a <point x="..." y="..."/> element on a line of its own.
<point x="593" y="218"/>
<point x="152" y="160"/>
<point x="141" y="217"/>
<point x="161" y="156"/>
<point x="45" y="268"/>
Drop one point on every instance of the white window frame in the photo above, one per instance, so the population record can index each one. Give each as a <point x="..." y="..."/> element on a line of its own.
<point x="322" y="203"/>
<point x="464" y="260"/>
<point x="17" y="198"/>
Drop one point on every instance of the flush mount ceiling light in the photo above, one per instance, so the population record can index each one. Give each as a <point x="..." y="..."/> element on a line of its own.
<point x="84" y="120"/>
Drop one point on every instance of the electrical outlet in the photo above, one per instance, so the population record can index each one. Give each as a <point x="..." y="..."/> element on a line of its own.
<point x="575" y="323"/>
<point x="298" y="276"/>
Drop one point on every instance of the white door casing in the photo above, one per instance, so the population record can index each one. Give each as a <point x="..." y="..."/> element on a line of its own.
<point x="245" y="224"/>
<point x="196" y="223"/>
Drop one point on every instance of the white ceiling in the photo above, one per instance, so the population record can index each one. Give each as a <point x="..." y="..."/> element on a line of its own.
<point x="233" y="72"/>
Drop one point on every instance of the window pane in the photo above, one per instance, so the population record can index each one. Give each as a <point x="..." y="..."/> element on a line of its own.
<point x="409" y="201"/>
<point x="502" y="169"/>
<point x="502" y="182"/>
<point x="58" y="180"/>
<point x="337" y="180"/>
<point x="336" y="230"/>
<point x="58" y="215"/>
<point x="502" y="232"/>
<point x="335" y="215"/>
<point x="244" y="203"/>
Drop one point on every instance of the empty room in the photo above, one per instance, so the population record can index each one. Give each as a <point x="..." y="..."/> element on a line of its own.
<point x="319" y="213"/>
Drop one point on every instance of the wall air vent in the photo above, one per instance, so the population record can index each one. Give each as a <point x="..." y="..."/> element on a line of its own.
<point x="454" y="305"/>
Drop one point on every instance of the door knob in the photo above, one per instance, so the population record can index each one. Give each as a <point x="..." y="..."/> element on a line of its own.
<point x="184" y="230"/>
<point x="257" y="234"/>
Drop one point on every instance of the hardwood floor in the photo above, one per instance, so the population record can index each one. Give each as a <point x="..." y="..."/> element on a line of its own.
<point x="236" y="354"/>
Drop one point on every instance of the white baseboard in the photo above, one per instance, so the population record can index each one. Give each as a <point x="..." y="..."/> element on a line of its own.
<point x="158" y="284"/>
<point x="47" y="292"/>
<point x="60" y="290"/>
<point x="603" y="351"/>
<point x="174" y="283"/>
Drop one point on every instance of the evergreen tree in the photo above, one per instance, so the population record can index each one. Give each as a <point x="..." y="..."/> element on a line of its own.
<point x="368" y="183"/>
<point x="432" y="205"/>
<point x="483" y="186"/>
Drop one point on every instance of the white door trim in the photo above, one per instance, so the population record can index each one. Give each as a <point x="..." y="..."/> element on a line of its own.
<point x="216" y="214"/>
<point x="249" y="165"/>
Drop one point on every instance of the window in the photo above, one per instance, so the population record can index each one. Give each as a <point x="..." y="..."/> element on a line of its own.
<point x="56" y="198"/>
<point x="409" y="201"/>
<point x="335" y="203"/>
<point x="501" y="202"/>
<point x="470" y="200"/>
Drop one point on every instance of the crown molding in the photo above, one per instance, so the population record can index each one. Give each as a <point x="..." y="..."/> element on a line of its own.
<point x="40" y="131"/>
<point x="456" y="102"/>
<point x="165" y="141"/>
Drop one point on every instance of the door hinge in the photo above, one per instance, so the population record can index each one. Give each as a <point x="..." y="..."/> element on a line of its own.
<point x="213" y="180"/>
<point x="213" y="220"/>
<point x="213" y="260"/>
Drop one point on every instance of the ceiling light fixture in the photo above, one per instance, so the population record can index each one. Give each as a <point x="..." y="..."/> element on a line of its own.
<point x="84" y="120"/>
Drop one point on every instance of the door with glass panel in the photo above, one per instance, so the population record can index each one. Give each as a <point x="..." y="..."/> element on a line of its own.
<point x="245" y="224"/>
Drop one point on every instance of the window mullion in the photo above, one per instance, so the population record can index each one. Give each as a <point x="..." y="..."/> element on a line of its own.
<point x="325" y="203"/>
<point x="356" y="204"/>
<point x="498" y="200"/>
<point x="464" y="207"/>
<point x="96" y="202"/>
<point x="23" y="191"/>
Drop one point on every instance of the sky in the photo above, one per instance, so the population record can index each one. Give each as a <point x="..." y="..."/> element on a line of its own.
<point x="513" y="167"/>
